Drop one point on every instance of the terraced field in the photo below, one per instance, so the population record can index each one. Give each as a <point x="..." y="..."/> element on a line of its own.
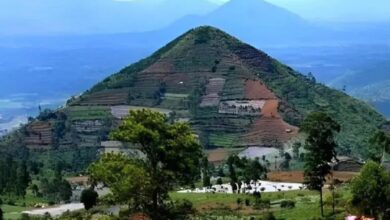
<point x="220" y="155"/>
<point x="213" y="88"/>
<point x="39" y="135"/>
<point x="106" y="98"/>
<point x="122" y="111"/>
<point x="80" y="113"/>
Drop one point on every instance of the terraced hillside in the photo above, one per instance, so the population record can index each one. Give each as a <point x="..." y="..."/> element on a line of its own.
<point x="233" y="95"/>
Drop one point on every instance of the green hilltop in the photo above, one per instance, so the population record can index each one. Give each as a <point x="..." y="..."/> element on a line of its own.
<point x="230" y="92"/>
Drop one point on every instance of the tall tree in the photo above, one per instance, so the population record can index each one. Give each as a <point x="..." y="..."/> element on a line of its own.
<point x="172" y="154"/>
<point x="379" y="146"/>
<point x="22" y="180"/>
<point x="206" y="172"/>
<point x="320" y="146"/>
<point x="371" y="190"/>
<point x="296" y="146"/>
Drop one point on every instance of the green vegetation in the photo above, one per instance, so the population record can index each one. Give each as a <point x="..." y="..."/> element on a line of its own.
<point x="379" y="146"/>
<point x="81" y="113"/>
<point x="320" y="149"/>
<point x="172" y="157"/>
<point x="303" y="96"/>
<point x="246" y="170"/>
<point x="371" y="191"/>
<point x="89" y="198"/>
<point x="225" y="205"/>
<point x="14" y="177"/>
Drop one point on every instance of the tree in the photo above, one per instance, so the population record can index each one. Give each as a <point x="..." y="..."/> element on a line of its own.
<point x="127" y="179"/>
<point x="243" y="169"/>
<point x="219" y="181"/>
<point x="22" y="180"/>
<point x="220" y="172"/>
<point x="206" y="181"/>
<point x="371" y="190"/>
<point x="172" y="157"/>
<point x="64" y="191"/>
<point x="296" y="146"/>
<point x="232" y="171"/>
<point x="1" y="214"/>
<point x="89" y="198"/>
<point x="379" y="146"/>
<point x="320" y="145"/>
<point x="253" y="170"/>
<point x="206" y="172"/>
<point x="35" y="189"/>
<point x="285" y="165"/>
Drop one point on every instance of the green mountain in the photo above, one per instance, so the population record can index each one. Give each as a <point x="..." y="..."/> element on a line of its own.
<point x="233" y="95"/>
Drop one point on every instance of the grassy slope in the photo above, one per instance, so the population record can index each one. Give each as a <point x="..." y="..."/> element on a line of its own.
<point x="225" y="205"/>
<point x="307" y="204"/>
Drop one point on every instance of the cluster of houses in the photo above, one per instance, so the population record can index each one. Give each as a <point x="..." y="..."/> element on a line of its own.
<point x="252" y="107"/>
<point x="252" y="187"/>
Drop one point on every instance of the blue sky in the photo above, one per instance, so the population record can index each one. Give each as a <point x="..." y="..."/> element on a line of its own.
<point x="96" y="16"/>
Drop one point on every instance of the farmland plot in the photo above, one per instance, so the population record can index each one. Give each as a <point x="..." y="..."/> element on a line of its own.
<point x="122" y="111"/>
<point x="213" y="88"/>
<point x="237" y="107"/>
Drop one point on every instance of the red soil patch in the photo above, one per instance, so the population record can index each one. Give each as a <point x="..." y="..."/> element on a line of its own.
<point x="269" y="129"/>
<point x="269" y="132"/>
<point x="107" y="97"/>
<point x="139" y="216"/>
<point x="270" y="109"/>
<point x="297" y="176"/>
<point x="217" y="156"/>
<point x="255" y="89"/>
<point x="161" y="66"/>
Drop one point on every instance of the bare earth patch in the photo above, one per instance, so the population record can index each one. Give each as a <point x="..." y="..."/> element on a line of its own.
<point x="297" y="176"/>
<point x="255" y="89"/>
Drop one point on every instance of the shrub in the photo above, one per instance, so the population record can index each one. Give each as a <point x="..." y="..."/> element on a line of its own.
<point x="89" y="198"/>
<point x="247" y="202"/>
<point x="269" y="216"/>
<point x="239" y="201"/>
<point x="262" y="204"/>
<point x="219" y="181"/>
<point x="287" y="204"/>
<point x="10" y="202"/>
<point x="181" y="210"/>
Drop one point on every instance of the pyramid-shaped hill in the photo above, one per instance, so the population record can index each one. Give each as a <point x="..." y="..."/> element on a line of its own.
<point x="233" y="95"/>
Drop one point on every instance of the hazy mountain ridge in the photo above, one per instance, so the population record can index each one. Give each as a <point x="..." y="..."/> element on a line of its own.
<point x="41" y="17"/>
